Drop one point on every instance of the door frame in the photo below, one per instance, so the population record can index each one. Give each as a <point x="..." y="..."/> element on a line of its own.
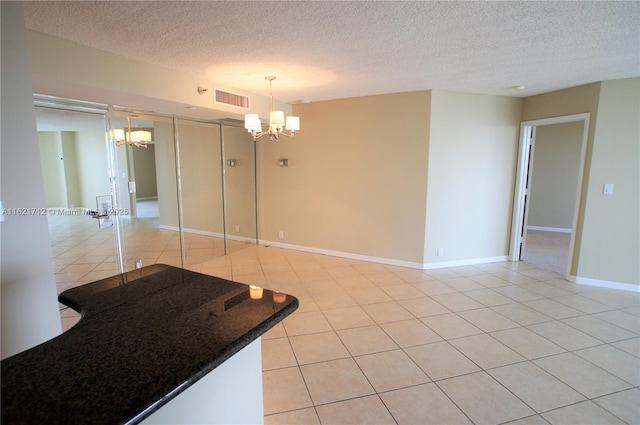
<point x="523" y="164"/>
<point x="529" y="134"/>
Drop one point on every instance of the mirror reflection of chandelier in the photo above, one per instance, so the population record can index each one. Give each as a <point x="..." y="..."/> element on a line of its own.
<point x="277" y="122"/>
<point x="138" y="138"/>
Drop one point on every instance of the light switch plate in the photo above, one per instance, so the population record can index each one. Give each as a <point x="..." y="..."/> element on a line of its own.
<point x="607" y="189"/>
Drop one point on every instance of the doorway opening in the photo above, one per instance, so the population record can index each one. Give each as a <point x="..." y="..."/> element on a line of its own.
<point x="143" y="167"/>
<point x="548" y="190"/>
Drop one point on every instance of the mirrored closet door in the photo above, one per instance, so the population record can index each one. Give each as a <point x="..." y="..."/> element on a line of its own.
<point x="126" y="190"/>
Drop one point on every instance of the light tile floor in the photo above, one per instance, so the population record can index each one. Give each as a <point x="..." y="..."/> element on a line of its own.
<point x="494" y="343"/>
<point x="547" y="250"/>
<point x="378" y="344"/>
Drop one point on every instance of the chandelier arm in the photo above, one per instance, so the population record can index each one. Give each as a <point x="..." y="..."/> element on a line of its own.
<point x="257" y="135"/>
<point x="292" y="134"/>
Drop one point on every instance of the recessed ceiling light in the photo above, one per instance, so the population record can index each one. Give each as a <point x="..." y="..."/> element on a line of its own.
<point x="191" y="107"/>
<point x="518" y="87"/>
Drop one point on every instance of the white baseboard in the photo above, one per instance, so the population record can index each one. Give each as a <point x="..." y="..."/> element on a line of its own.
<point x="605" y="284"/>
<point x="193" y="231"/>
<point x="469" y="262"/>
<point x="207" y="233"/>
<point x="388" y="261"/>
<point x="241" y="239"/>
<point x="342" y="254"/>
<point x="549" y="229"/>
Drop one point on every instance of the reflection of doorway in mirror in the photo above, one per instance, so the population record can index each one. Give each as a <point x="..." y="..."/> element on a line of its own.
<point x="146" y="194"/>
<point x="77" y="194"/>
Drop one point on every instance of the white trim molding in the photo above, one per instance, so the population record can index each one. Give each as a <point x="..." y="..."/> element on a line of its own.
<point x="604" y="283"/>
<point x="207" y="233"/>
<point x="341" y="254"/>
<point x="549" y="229"/>
<point x="193" y="231"/>
<point x="388" y="261"/>
<point x="468" y="262"/>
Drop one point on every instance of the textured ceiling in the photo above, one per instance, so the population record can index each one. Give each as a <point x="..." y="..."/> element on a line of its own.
<point x="330" y="50"/>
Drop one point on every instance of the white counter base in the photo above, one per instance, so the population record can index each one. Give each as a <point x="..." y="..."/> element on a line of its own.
<point x="229" y="394"/>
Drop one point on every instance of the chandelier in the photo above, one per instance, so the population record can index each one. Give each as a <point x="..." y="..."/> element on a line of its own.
<point x="138" y="138"/>
<point x="277" y="122"/>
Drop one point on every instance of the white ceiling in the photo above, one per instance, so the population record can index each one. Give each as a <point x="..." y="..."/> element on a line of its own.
<point x="329" y="50"/>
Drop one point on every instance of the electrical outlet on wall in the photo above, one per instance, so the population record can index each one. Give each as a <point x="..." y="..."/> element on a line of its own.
<point x="440" y="252"/>
<point x="237" y="228"/>
<point x="281" y="234"/>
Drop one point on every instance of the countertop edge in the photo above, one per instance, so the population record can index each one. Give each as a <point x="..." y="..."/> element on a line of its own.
<point x="234" y="348"/>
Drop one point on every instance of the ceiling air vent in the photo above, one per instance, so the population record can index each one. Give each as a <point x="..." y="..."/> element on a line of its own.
<point x="231" y="99"/>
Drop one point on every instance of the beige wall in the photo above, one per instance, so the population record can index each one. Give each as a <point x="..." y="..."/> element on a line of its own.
<point x="201" y="173"/>
<point x="29" y="310"/>
<point x="166" y="174"/>
<point x="144" y="160"/>
<point x="611" y="235"/>
<point x="74" y="167"/>
<point x="356" y="180"/>
<point x="554" y="175"/>
<point x="472" y="151"/>
<point x="53" y="174"/>
<point x="239" y="191"/>
<point x="91" y="151"/>
<point x="201" y="176"/>
<point x="72" y="179"/>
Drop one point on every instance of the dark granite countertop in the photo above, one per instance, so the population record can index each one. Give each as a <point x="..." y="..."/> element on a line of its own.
<point x="144" y="337"/>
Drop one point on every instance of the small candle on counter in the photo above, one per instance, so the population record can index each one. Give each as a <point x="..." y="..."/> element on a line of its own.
<point x="255" y="292"/>
<point x="279" y="297"/>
